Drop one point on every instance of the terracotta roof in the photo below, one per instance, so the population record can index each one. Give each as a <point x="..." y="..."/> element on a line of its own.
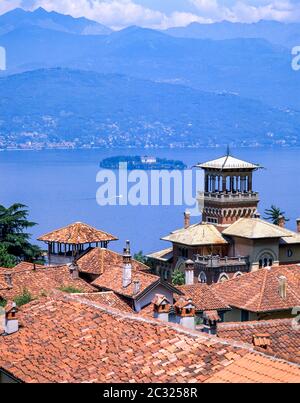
<point x="70" y="340"/>
<point x="107" y="298"/>
<point x="255" y="228"/>
<point x="112" y="279"/>
<point x="40" y="281"/>
<point x="204" y="297"/>
<point x="24" y="266"/>
<point x="97" y="260"/>
<point x="283" y="334"/>
<point x="164" y="255"/>
<point x="212" y="316"/>
<point x="197" y="234"/>
<point x="227" y="162"/>
<point x="259" y="291"/>
<point x="254" y="368"/>
<point x="77" y="233"/>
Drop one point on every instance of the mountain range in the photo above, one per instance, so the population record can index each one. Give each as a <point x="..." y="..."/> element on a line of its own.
<point x="18" y="18"/>
<point x="88" y="108"/>
<point x="285" y="34"/>
<point x="146" y="86"/>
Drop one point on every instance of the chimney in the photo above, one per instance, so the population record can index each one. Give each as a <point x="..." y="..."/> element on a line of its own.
<point x="161" y="307"/>
<point x="74" y="270"/>
<point x="185" y="313"/>
<point x="189" y="272"/>
<point x="282" y="286"/>
<point x="262" y="340"/>
<point x="136" y="287"/>
<point x="11" y="323"/>
<point x="127" y="267"/>
<point x="281" y="221"/>
<point x="187" y="219"/>
<point x="298" y="224"/>
<point x="8" y="279"/>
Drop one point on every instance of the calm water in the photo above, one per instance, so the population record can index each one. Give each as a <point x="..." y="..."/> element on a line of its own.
<point x="60" y="186"/>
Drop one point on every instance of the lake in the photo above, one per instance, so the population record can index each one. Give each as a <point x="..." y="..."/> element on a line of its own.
<point x="59" y="187"/>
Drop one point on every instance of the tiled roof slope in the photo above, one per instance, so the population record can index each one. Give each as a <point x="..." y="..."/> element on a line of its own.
<point x="254" y="368"/>
<point x="195" y="235"/>
<point x="96" y="260"/>
<point x="259" y="291"/>
<point x="204" y="297"/>
<point x="69" y="340"/>
<point x="112" y="280"/>
<point x="40" y="281"/>
<point x="77" y="233"/>
<point x="255" y="228"/>
<point x="284" y="335"/>
<point x="107" y="298"/>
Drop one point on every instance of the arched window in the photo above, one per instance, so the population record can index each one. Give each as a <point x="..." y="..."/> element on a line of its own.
<point x="202" y="278"/>
<point x="223" y="277"/>
<point x="237" y="274"/>
<point x="265" y="260"/>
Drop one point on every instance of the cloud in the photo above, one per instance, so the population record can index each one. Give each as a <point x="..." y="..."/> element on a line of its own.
<point x="249" y="11"/>
<point x="121" y="13"/>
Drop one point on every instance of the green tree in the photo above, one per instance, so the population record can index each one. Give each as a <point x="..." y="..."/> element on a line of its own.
<point x="273" y="214"/>
<point x="14" y="239"/>
<point x="6" y="260"/>
<point x="140" y="257"/>
<point x="178" y="278"/>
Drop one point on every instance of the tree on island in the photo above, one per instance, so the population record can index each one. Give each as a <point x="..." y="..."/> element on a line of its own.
<point x="178" y="278"/>
<point x="274" y="214"/>
<point x="15" y="243"/>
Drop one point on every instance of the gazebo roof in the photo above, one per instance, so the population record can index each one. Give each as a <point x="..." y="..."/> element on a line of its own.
<point x="77" y="233"/>
<point x="227" y="162"/>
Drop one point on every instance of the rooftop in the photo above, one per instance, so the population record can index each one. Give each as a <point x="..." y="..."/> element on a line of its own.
<point x="195" y="235"/>
<point x="97" y="260"/>
<point x="39" y="281"/>
<point x="77" y="233"/>
<point x="255" y="228"/>
<point x="112" y="280"/>
<point x="258" y="291"/>
<point x="107" y="298"/>
<point x="284" y="335"/>
<point x="66" y="339"/>
<point x="204" y="297"/>
<point x="227" y="162"/>
<point x="164" y="255"/>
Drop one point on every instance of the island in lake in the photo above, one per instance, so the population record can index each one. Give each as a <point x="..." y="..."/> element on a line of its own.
<point x="141" y="162"/>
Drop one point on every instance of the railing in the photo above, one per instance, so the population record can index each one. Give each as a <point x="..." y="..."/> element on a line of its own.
<point x="223" y="197"/>
<point x="214" y="261"/>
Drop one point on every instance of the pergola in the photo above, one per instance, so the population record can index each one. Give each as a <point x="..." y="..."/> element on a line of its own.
<point x="72" y="240"/>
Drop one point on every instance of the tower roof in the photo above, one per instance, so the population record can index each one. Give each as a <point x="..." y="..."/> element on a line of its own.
<point x="227" y="162"/>
<point x="77" y="233"/>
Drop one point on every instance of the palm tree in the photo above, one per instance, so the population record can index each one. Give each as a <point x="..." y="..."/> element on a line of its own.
<point x="274" y="214"/>
<point x="15" y="241"/>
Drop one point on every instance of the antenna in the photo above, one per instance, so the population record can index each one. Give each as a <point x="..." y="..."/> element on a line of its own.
<point x="227" y="156"/>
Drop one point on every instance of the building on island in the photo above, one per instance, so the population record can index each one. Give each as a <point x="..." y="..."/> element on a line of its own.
<point x="231" y="238"/>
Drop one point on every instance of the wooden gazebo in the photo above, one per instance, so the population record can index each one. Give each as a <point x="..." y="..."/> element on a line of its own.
<point x="68" y="243"/>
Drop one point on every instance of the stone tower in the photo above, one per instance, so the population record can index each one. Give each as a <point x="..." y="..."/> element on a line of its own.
<point x="228" y="194"/>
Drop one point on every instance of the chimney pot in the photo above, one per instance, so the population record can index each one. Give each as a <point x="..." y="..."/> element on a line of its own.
<point x="281" y="221"/>
<point x="136" y="287"/>
<point x="74" y="271"/>
<point x="282" y="286"/>
<point x="8" y="279"/>
<point x="298" y="224"/>
<point x="187" y="219"/>
<point x="11" y="323"/>
<point x="127" y="266"/>
<point x="189" y="272"/>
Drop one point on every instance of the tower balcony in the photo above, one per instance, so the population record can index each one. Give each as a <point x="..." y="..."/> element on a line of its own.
<point x="223" y="198"/>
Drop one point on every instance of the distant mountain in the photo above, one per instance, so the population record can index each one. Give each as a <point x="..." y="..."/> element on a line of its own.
<point x="252" y="68"/>
<point x="91" y="109"/>
<point x="50" y="20"/>
<point x="286" y="34"/>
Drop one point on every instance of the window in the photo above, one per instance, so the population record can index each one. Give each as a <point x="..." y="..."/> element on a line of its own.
<point x="244" y="316"/>
<point x="202" y="278"/>
<point x="223" y="277"/>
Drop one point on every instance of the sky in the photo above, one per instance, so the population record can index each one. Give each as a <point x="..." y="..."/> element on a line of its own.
<point x="165" y="13"/>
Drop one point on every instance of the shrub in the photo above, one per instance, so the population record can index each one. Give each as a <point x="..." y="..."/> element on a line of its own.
<point x="70" y="290"/>
<point x="24" y="298"/>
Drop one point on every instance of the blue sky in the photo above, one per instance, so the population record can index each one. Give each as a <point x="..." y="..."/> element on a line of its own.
<point x="166" y="13"/>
